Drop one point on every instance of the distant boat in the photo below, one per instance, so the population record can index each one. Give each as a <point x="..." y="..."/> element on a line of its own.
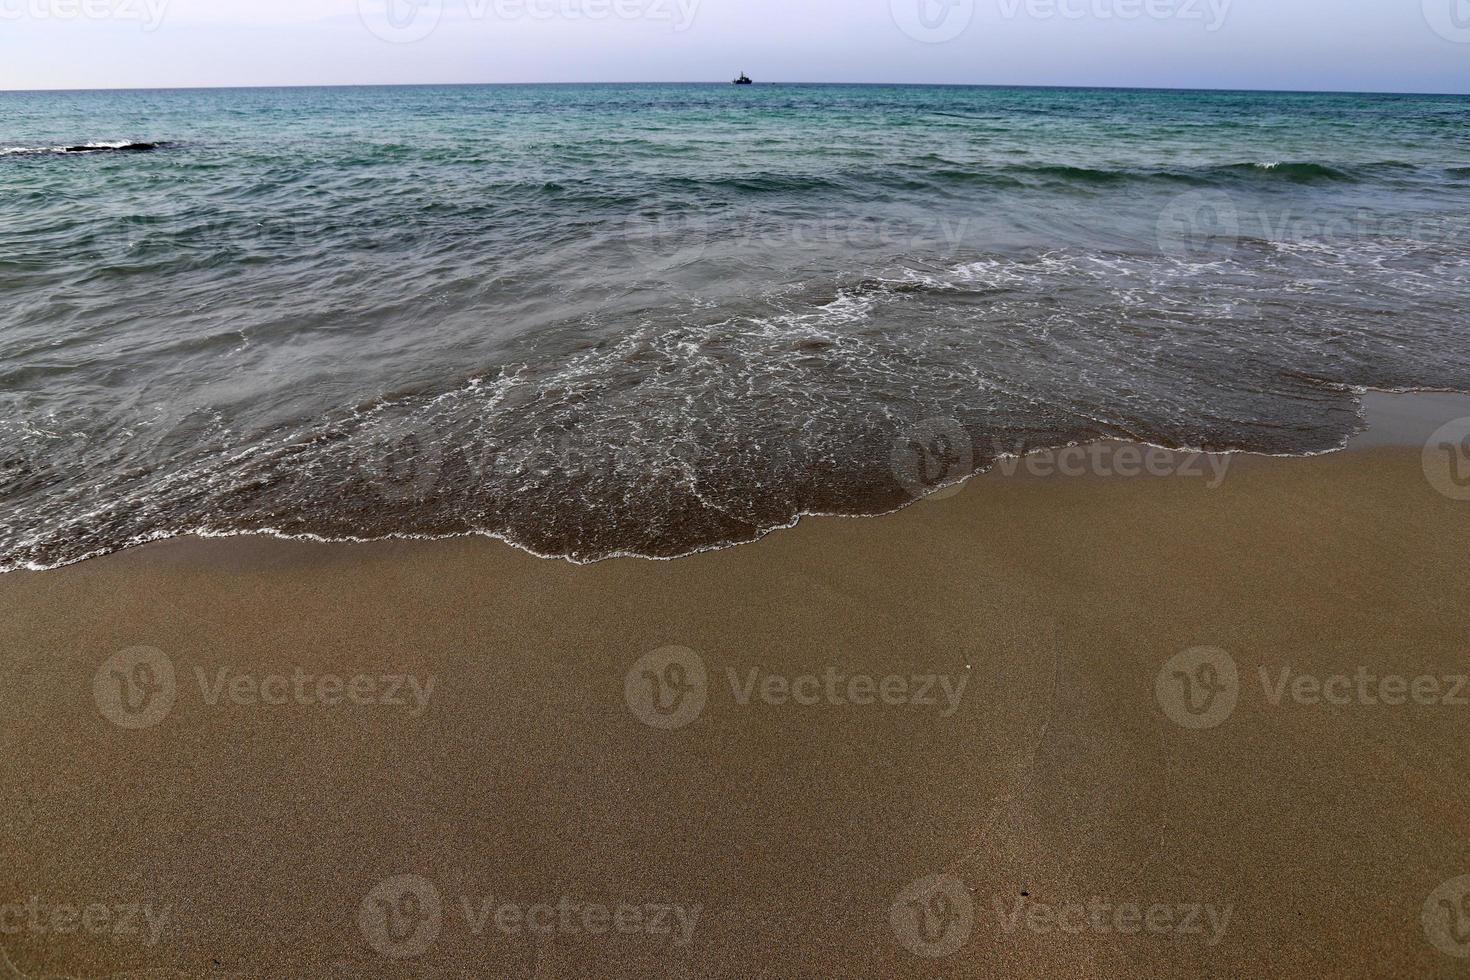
<point x="744" y="79"/>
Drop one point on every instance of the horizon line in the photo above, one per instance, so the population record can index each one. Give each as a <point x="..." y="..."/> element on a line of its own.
<point x="989" y="85"/>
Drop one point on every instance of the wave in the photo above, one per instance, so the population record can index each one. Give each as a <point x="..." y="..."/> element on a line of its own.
<point x="759" y="183"/>
<point x="1084" y="175"/>
<point x="694" y="425"/>
<point x="1046" y="175"/>
<point x="1301" y="173"/>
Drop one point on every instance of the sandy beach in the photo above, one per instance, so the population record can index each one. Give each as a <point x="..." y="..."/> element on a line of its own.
<point x="1199" y="722"/>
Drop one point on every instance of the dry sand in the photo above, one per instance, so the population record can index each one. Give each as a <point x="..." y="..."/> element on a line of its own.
<point x="1063" y="807"/>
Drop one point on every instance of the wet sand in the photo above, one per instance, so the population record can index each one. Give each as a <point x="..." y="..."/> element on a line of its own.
<point x="983" y="694"/>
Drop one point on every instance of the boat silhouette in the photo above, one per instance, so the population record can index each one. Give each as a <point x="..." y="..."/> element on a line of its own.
<point x="744" y="79"/>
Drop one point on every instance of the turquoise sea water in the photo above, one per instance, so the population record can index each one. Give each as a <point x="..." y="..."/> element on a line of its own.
<point x="599" y="320"/>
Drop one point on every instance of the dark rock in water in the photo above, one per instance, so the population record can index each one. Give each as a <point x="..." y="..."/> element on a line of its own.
<point x="125" y="148"/>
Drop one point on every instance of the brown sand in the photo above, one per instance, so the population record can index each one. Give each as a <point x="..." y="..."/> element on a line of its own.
<point x="1060" y="779"/>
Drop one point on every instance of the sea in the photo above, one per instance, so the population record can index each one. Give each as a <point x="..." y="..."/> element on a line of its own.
<point x="651" y="320"/>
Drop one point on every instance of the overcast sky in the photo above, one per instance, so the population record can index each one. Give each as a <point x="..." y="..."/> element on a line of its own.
<point x="1362" y="45"/>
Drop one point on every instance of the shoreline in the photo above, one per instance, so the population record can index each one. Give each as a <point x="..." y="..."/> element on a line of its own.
<point x="785" y="756"/>
<point x="1403" y="418"/>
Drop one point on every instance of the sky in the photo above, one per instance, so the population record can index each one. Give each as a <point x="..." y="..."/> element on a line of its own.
<point x="1344" y="45"/>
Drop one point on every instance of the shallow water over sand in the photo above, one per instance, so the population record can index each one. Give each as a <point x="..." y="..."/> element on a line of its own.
<point x="598" y="320"/>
